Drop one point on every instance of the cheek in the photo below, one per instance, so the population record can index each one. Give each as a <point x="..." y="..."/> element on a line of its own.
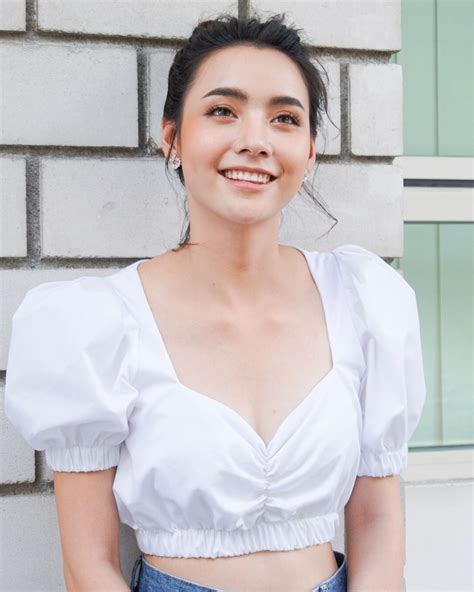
<point x="198" y="143"/>
<point x="205" y="154"/>
<point x="296" y="159"/>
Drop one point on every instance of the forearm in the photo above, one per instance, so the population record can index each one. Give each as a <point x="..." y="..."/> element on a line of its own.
<point x="98" y="577"/>
<point x="375" y="548"/>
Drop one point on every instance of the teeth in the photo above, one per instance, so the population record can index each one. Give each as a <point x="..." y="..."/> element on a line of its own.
<point x="246" y="176"/>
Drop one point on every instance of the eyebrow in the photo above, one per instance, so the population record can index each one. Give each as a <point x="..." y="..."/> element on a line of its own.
<point x="240" y="95"/>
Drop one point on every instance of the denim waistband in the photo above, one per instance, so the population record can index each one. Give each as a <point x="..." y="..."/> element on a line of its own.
<point x="146" y="577"/>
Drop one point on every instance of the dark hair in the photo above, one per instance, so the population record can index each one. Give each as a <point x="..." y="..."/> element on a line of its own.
<point x="229" y="31"/>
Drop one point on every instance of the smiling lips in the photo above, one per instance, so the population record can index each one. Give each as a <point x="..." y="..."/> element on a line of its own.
<point x="247" y="184"/>
<point x="243" y="178"/>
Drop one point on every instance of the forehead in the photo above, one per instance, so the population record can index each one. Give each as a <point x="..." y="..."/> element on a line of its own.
<point x="260" y="72"/>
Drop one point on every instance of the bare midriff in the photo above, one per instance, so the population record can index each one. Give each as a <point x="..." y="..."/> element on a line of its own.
<point x="299" y="570"/>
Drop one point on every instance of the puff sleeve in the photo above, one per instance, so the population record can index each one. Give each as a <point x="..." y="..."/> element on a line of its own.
<point x="69" y="382"/>
<point x="392" y="392"/>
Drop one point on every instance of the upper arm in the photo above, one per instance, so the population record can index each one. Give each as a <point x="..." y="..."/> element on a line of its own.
<point x="392" y="389"/>
<point x="373" y="497"/>
<point x="88" y="518"/>
<point x="71" y="363"/>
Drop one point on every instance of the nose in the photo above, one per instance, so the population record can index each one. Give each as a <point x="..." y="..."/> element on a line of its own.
<point x="253" y="138"/>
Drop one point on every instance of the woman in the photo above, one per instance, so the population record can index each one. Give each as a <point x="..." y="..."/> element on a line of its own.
<point x="227" y="399"/>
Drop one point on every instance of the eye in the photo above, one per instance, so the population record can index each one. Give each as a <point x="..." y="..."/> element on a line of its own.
<point x="214" y="109"/>
<point x="295" y="119"/>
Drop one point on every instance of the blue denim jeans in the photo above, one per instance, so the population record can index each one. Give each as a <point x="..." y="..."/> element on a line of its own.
<point x="147" y="578"/>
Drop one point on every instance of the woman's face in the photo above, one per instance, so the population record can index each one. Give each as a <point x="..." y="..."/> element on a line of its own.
<point x="221" y="131"/>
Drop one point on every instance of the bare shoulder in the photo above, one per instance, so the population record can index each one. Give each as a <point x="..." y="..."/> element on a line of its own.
<point x="165" y="281"/>
<point x="163" y="261"/>
<point x="301" y="278"/>
<point x="164" y="267"/>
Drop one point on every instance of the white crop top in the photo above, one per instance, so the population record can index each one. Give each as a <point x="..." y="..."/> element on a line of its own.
<point x="90" y="382"/>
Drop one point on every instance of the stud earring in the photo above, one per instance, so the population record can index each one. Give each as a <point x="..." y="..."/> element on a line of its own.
<point x="175" y="161"/>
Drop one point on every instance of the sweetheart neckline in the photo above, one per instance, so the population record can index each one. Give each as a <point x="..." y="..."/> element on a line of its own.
<point x="266" y="447"/>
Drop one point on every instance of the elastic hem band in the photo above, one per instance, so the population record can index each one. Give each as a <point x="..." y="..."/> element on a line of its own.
<point x="384" y="463"/>
<point x="263" y="536"/>
<point x="78" y="458"/>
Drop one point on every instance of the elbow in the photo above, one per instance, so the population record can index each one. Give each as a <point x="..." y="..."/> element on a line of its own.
<point x="96" y="576"/>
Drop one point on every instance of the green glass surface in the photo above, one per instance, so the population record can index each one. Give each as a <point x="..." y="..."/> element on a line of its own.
<point x="438" y="262"/>
<point x="437" y="59"/>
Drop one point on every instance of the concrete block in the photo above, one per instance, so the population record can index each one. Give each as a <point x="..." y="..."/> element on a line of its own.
<point x="12" y="207"/>
<point x="160" y="64"/>
<point x="68" y="95"/>
<point x="12" y="15"/>
<point x="328" y="140"/>
<point x="366" y="200"/>
<point x="140" y="18"/>
<point x="376" y="109"/>
<point x="108" y="208"/>
<point x="345" y="24"/>
<point x="339" y="540"/>
<point x="30" y="547"/>
<point x="439" y="523"/>
<point x="17" y="459"/>
<point x="30" y="551"/>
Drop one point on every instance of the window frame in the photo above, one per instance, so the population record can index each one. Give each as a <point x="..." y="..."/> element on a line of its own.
<point x="438" y="189"/>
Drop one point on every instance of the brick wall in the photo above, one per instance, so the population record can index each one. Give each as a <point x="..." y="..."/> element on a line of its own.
<point x="83" y="189"/>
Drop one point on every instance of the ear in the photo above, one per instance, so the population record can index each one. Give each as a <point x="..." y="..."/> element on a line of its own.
<point x="167" y="129"/>
<point x="312" y="155"/>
